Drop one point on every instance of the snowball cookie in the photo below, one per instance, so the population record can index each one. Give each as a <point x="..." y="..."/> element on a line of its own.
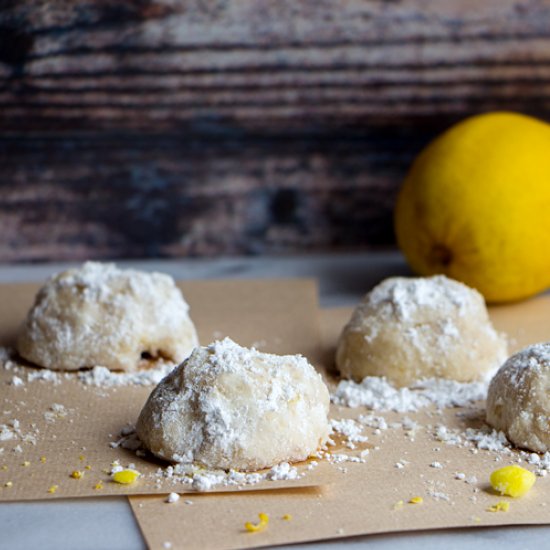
<point x="231" y="407"/>
<point x="101" y="315"/>
<point x="518" y="401"/>
<point x="407" y="329"/>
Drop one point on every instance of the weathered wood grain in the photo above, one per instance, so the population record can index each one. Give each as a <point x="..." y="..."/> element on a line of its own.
<point x="126" y="196"/>
<point x="161" y="64"/>
<point x="161" y="127"/>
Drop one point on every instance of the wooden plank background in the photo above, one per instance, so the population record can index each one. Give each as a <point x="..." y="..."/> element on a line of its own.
<point x="180" y="128"/>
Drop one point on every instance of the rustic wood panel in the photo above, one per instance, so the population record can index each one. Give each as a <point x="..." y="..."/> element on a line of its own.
<point x="157" y="127"/>
<point x="142" y="63"/>
<point x="161" y="196"/>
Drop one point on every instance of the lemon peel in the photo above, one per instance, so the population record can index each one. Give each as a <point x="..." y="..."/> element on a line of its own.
<point x="77" y="474"/>
<point x="287" y="517"/>
<point x="513" y="481"/>
<point x="416" y="500"/>
<point x="260" y="526"/>
<point x="125" y="477"/>
<point x="501" y="506"/>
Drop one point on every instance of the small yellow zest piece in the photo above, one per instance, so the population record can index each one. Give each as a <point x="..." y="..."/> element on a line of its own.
<point x="77" y="474"/>
<point x="287" y="517"/>
<point x="260" y="526"/>
<point x="4" y="468"/>
<point x="81" y="458"/>
<point x="53" y="489"/>
<point x="125" y="477"/>
<point x="501" y="506"/>
<point x="26" y="463"/>
<point x="8" y="484"/>
<point x="43" y="459"/>
<point x="98" y="486"/>
<point x="88" y="467"/>
<point x="398" y="505"/>
<point x="416" y="500"/>
<point x="513" y="481"/>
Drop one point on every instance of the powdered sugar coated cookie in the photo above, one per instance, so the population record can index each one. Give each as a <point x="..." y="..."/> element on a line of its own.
<point x="101" y="315"/>
<point x="408" y="329"/>
<point x="517" y="401"/>
<point x="228" y="406"/>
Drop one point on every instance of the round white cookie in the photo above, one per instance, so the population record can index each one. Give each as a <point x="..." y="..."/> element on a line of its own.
<point x="517" y="401"/>
<point x="407" y="329"/>
<point x="101" y="315"/>
<point x="231" y="407"/>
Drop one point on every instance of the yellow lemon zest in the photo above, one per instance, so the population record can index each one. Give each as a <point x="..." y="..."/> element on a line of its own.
<point x="98" y="486"/>
<point x="125" y="477"/>
<point x="416" y="500"/>
<point x="53" y="489"/>
<point x="287" y="517"/>
<point x="501" y="506"/>
<point x="77" y="474"/>
<point x="260" y="526"/>
<point x="513" y="481"/>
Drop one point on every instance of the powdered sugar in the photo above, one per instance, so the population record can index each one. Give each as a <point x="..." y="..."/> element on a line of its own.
<point x="202" y="480"/>
<point x="401" y="298"/>
<point x="378" y="394"/>
<point x="98" y="376"/>
<point x="105" y="378"/>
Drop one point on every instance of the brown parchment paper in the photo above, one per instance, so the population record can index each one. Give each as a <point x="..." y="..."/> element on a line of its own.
<point x="277" y="316"/>
<point x="372" y="497"/>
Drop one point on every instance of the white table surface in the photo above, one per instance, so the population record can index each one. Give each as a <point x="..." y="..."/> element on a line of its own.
<point x="108" y="523"/>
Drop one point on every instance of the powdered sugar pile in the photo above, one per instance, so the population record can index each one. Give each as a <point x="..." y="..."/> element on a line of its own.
<point x="105" y="378"/>
<point x="201" y="479"/>
<point x="380" y="395"/>
<point x="98" y="376"/>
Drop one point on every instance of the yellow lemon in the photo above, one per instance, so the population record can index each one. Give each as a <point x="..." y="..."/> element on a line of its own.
<point x="476" y="206"/>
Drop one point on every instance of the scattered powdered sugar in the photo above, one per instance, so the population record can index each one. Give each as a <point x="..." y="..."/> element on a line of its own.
<point x="201" y="480"/>
<point x="12" y="431"/>
<point x="379" y="394"/>
<point x="485" y="438"/>
<point x="16" y="381"/>
<point x="105" y="378"/>
<point x="98" y="376"/>
<point x="282" y="471"/>
<point x="350" y="430"/>
<point x="55" y="412"/>
<point x="172" y="497"/>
